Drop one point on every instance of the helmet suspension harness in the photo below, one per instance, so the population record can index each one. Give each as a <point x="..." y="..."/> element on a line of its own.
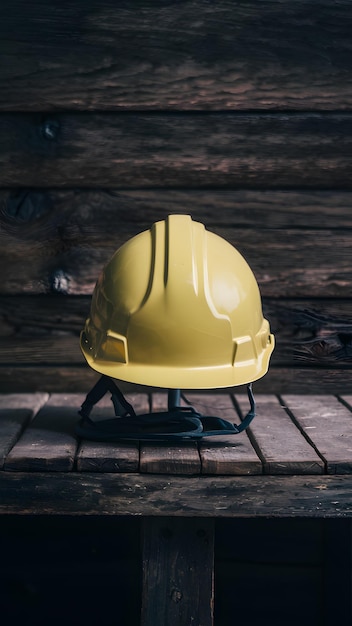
<point x="178" y="422"/>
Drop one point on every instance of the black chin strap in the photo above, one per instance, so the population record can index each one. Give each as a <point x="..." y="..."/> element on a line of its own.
<point x="121" y="406"/>
<point x="176" y="423"/>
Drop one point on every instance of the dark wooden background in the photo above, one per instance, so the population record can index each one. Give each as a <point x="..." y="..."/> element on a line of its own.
<point x="114" y="114"/>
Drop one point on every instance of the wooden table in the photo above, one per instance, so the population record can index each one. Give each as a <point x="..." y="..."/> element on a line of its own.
<point x="294" y="461"/>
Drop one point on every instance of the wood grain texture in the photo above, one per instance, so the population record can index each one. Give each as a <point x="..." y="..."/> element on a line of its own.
<point x="108" y="457"/>
<point x="190" y="55"/>
<point x="311" y="332"/>
<point x="16" y="410"/>
<point x="327" y="424"/>
<point x="38" y="330"/>
<point x="278" y="441"/>
<point x="175" y="458"/>
<point x="178" y="572"/>
<point x="49" y="443"/>
<point x="221" y="454"/>
<point x="46" y="329"/>
<point x="96" y="456"/>
<point x="88" y="214"/>
<point x="80" y="378"/>
<point x="290" y="263"/>
<point x="305" y="150"/>
<point x="186" y="496"/>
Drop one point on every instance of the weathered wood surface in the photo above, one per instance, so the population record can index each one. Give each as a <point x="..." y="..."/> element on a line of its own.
<point x="46" y="329"/>
<point x="253" y="150"/>
<point x="49" y="443"/>
<point x="97" y="456"/>
<point x="189" y="55"/>
<point x="178" y="560"/>
<point x="300" y="435"/>
<point x="16" y="410"/>
<point x="72" y="493"/>
<point x="66" y="378"/>
<point x="281" y="446"/>
<point x="103" y="144"/>
<point x="327" y="424"/>
<point x="175" y="458"/>
<point x="41" y="335"/>
<point x="287" y="263"/>
<point x="231" y="454"/>
<point x="32" y="214"/>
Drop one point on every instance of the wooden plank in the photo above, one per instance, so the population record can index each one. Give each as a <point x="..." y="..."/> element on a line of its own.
<point x="291" y="263"/>
<point x="327" y="424"/>
<point x="72" y="493"/>
<point x="48" y="336"/>
<point x="56" y="378"/>
<point x="91" y="214"/>
<point x="192" y="55"/>
<point x="96" y="456"/>
<point x="300" y="380"/>
<point x="65" y="377"/>
<point x="304" y="150"/>
<point x="49" y="442"/>
<point x="279" y="442"/>
<point x="45" y="329"/>
<point x="347" y="399"/>
<point x="16" y="410"/>
<point x="178" y="572"/>
<point x="316" y="332"/>
<point x="221" y="454"/>
<point x="172" y="457"/>
<point x="108" y="457"/>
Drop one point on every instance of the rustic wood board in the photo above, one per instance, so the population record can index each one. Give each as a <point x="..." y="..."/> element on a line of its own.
<point x="42" y="329"/>
<point x="70" y="378"/>
<point x="347" y="399"/>
<point x="304" y="150"/>
<point x="96" y="456"/>
<point x="302" y="334"/>
<point x="170" y="457"/>
<point x="16" y="410"/>
<point x="72" y="493"/>
<point x="190" y="55"/>
<point x="291" y="263"/>
<point x="224" y="454"/>
<point x="74" y="379"/>
<point x="177" y="556"/>
<point x="327" y="423"/>
<point x="49" y="442"/>
<point x="92" y="213"/>
<point x="279" y="442"/>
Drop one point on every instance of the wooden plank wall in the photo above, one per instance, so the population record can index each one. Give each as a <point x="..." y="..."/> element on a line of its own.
<point x="113" y="115"/>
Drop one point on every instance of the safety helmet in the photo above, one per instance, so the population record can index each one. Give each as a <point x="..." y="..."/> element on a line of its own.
<point x="177" y="307"/>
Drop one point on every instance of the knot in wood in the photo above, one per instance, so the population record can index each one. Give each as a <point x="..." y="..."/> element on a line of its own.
<point x="50" y="129"/>
<point x="59" y="281"/>
<point x="176" y="596"/>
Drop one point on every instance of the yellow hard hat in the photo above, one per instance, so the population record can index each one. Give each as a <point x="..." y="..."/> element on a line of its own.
<point x="178" y="307"/>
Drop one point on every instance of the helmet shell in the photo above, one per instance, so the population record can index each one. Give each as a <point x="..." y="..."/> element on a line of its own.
<point x="178" y="307"/>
